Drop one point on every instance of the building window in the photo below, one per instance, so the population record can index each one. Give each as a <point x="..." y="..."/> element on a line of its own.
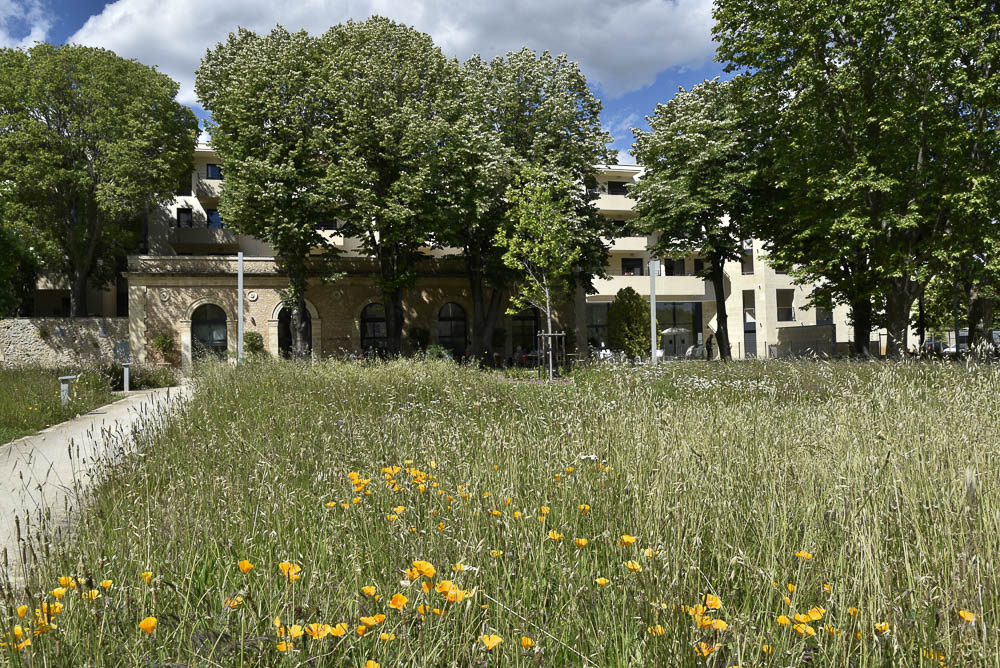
<point x="184" y="187"/>
<point x="786" y="307"/>
<point x="214" y="172"/>
<point x="374" y="335"/>
<point x="208" y="331"/>
<point x="451" y="329"/>
<point x="185" y="217"/>
<point x="597" y="325"/>
<point x="631" y="266"/>
<point x="680" y="326"/>
<point x="747" y="260"/>
<point x="673" y="268"/>
<point x="749" y="310"/>
<point x="617" y="187"/>
<point x="214" y="219"/>
<point x="699" y="266"/>
<point x="524" y="331"/>
<point x="823" y="317"/>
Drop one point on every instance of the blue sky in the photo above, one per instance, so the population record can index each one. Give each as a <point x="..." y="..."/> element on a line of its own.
<point x="635" y="52"/>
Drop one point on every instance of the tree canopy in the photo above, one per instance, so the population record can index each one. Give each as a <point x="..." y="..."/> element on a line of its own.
<point x="93" y="142"/>
<point x="628" y="323"/>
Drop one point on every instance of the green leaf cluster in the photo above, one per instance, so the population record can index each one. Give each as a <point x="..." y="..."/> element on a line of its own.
<point x="628" y="323"/>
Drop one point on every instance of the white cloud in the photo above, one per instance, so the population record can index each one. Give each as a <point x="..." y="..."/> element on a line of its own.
<point x="22" y="23"/>
<point x="621" y="46"/>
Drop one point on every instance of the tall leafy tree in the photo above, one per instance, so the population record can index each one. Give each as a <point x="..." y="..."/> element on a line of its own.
<point x="628" y="323"/>
<point x="540" y="241"/>
<point x="529" y="110"/>
<point x="393" y="147"/>
<point x="270" y="126"/>
<point x="693" y="195"/>
<point x="866" y="139"/>
<point x="93" y="142"/>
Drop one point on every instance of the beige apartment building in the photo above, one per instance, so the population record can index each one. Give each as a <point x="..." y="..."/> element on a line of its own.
<point x="185" y="286"/>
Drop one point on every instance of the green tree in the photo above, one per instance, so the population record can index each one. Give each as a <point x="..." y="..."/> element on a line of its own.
<point x="93" y="142"/>
<point x="540" y="241"/>
<point x="877" y="109"/>
<point x="693" y="195"/>
<point x="18" y="260"/>
<point x="395" y="141"/>
<point x="527" y="109"/>
<point x="628" y="323"/>
<point x="270" y="127"/>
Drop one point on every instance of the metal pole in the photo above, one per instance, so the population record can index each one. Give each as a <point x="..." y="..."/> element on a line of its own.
<point x="654" y="269"/>
<point x="125" y="382"/>
<point x="239" y="307"/>
<point x="64" y="382"/>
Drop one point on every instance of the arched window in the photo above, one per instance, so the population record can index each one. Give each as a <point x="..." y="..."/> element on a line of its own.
<point x="373" y="330"/>
<point x="452" y="328"/>
<point x="208" y="331"/>
<point x="524" y="330"/>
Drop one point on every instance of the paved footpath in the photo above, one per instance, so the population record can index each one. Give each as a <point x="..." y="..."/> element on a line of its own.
<point x="43" y="475"/>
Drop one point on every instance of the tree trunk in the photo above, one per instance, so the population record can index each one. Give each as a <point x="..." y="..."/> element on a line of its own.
<point x="300" y="346"/>
<point x="484" y="317"/>
<point x="393" y="301"/>
<point x="861" y="314"/>
<point x="898" y="303"/>
<point x="78" y="295"/>
<point x="721" y="317"/>
<point x="975" y="314"/>
<point x="921" y="321"/>
<point x="548" y="342"/>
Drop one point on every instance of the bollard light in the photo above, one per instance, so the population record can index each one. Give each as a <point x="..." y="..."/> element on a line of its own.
<point x="64" y="382"/>
<point x="125" y="381"/>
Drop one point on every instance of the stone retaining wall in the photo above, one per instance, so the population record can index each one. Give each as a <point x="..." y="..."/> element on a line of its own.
<point x="62" y="341"/>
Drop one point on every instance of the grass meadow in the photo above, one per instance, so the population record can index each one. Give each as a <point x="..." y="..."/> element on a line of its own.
<point x="29" y="398"/>
<point x="402" y="513"/>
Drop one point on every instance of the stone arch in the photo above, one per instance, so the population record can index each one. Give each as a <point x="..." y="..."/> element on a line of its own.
<point x="317" y="330"/>
<point x="185" y="327"/>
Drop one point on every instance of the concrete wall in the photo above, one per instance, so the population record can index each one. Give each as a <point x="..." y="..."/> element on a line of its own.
<point x="61" y="341"/>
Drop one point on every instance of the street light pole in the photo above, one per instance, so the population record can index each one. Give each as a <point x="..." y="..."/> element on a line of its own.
<point x="654" y="269"/>
<point x="239" y="307"/>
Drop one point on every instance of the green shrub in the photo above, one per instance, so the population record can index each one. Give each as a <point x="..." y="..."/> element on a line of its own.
<point x="628" y="323"/>
<point x="253" y="343"/>
<point x="164" y="343"/>
<point x="141" y="376"/>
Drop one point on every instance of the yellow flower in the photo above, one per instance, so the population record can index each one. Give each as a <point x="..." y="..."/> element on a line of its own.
<point x="373" y="620"/>
<point x="412" y="573"/>
<point x="558" y="477"/>
<point x="146" y="576"/>
<point x="526" y="642"/>
<point x="626" y="540"/>
<point x="148" y="625"/>
<point x="290" y="570"/>
<point x="816" y="613"/>
<point x="787" y="600"/>
<point x="284" y="646"/>
<point x="882" y="627"/>
<point x="66" y="581"/>
<point x="712" y="602"/>
<point x="555" y="535"/>
<point x="398" y="602"/>
<point x="399" y="510"/>
<point x="827" y="588"/>
<point x="495" y="512"/>
<point x="584" y="508"/>
<point x="517" y="514"/>
<point x="791" y="588"/>
<point x="804" y="630"/>
<point x="853" y="612"/>
<point x="459" y="567"/>
<point x="967" y="617"/>
<point x="295" y="631"/>
<point x="803" y="555"/>
<point x="581" y="542"/>
<point x="392" y="518"/>
<point x="387" y="636"/>
<point x="369" y="590"/>
<point x="496" y="553"/>
<point x="767" y="649"/>
<point x="361" y="629"/>
<point x="719" y="625"/>
<point x="245" y="566"/>
<point x="803" y="618"/>
<point x="783" y="621"/>
<point x="318" y="631"/>
<point x="339" y="630"/>
<point x="832" y="630"/>
<point x="22" y="610"/>
<point x="657" y="630"/>
<point x="444" y="586"/>
<point x="371" y="664"/>
<point x="425" y="568"/>
<point x="544" y="510"/>
<point x="356" y="500"/>
<point x="491" y="641"/>
<point x="602" y="582"/>
<point x="331" y="504"/>
<point x="59" y="592"/>
<point x="234" y="602"/>
<point x="704" y="649"/>
<point x="440" y="526"/>
<point x="633" y="566"/>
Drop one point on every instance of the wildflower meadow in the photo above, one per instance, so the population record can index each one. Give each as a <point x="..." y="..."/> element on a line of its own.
<point x="422" y="513"/>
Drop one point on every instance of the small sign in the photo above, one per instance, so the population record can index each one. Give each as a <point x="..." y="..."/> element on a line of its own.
<point x="122" y="352"/>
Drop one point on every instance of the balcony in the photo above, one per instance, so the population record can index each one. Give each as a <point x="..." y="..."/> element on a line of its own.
<point x="668" y="288"/>
<point x="207" y="188"/>
<point x="614" y="204"/>
<point x="627" y="244"/>
<point x="202" y="238"/>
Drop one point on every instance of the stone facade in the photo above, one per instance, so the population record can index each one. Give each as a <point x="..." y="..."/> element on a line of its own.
<point x="62" y="341"/>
